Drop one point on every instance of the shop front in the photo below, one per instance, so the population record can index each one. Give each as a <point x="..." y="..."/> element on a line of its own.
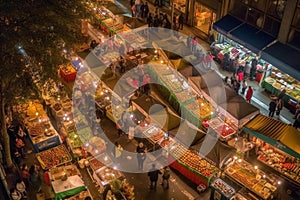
<point x="276" y="69"/>
<point x="204" y="14"/>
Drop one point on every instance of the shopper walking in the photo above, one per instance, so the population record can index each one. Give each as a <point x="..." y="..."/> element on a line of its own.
<point x="272" y="108"/>
<point x="145" y="10"/>
<point x="189" y="40"/>
<point x="296" y="123"/>
<point x="21" y="187"/>
<point x="25" y="174"/>
<point x="150" y="20"/>
<point x="249" y="94"/>
<point x="181" y="21"/>
<point x="279" y="107"/>
<point x="244" y="87"/>
<point x="118" y="150"/>
<point x="194" y="44"/>
<point x="247" y="69"/>
<point x="166" y="176"/>
<point x="15" y="194"/>
<point x="254" y="63"/>
<point x="153" y="176"/>
<point x="141" y="155"/>
<point x="35" y="178"/>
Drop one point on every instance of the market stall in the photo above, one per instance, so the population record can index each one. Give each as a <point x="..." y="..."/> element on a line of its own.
<point x="41" y="131"/>
<point x="279" y="81"/>
<point x="220" y="190"/>
<point x="66" y="181"/>
<point x="55" y="156"/>
<point x="190" y="165"/>
<point x="251" y="177"/>
<point x="277" y="145"/>
<point x="67" y="72"/>
<point x="270" y="77"/>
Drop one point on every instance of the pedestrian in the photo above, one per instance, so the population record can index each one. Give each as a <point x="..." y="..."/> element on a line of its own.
<point x="181" y="21"/>
<point x="150" y="20"/>
<point x="297" y="110"/>
<point x="281" y="94"/>
<point x="153" y="176"/>
<point x="19" y="144"/>
<point x="35" y="178"/>
<point x="249" y="94"/>
<point x="146" y="10"/>
<point x="194" y="44"/>
<point x="25" y="174"/>
<point x="189" y="40"/>
<point x="247" y="69"/>
<point x="21" y="187"/>
<point x="156" y="21"/>
<point x="118" y="150"/>
<point x="279" y="107"/>
<point x="141" y="155"/>
<point x="142" y="10"/>
<point x="166" y="176"/>
<point x="244" y="87"/>
<point x="130" y="133"/>
<point x="254" y="63"/>
<point x="296" y="123"/>
<point x="15" y="194"/>
<point x="272" y="108"/>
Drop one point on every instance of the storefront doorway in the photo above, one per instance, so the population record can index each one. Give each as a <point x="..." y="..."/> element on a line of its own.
<point x="204" y="17"/>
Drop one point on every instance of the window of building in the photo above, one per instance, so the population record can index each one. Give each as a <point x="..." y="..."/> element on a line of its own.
<point x="180" y="5"/>
<point x="258" y="4"/>
<point x="296" y="19"/>
<point x="271" y="26"/>
<point x="294" y="37"/>
<point x="253" y="16"/>
<point x="276" y="8"/>
<point x="239" y="10"/>
<point x="203" y="17"/>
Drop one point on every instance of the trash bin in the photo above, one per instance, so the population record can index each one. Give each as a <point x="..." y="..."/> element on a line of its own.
<point x="292" y="105"/>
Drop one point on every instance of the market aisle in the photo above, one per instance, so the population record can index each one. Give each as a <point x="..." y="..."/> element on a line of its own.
<point x="180" y="188"/>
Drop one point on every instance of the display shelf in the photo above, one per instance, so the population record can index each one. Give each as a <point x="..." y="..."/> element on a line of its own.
<point x="282" y="163"/>
<point x="54" y="157"/>
<point x="219" y="186"/>
<point x="251" y="178"/>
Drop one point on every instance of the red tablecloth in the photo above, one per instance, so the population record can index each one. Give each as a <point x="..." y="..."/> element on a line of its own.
<point x="68" y="77"/>
<point x="192" y="176"/>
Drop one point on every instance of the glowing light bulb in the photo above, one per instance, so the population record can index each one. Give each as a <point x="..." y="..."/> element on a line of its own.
<point x="105" y="158"/>
<point x="115" y="167"/>
<point x="202" y="104"/>
<point x="279" y="182"/>
<point x="36" y="113"/>
<point x="131" y="116"/>
<point x="87" y="144"/>
<point x="239" y="160"/>
<point x="75" y="136"/>
<point x="264" y="176"/>
<point x="255" y="167"/>
<point x="96" y="151"/>
<point x="235" y="157"/>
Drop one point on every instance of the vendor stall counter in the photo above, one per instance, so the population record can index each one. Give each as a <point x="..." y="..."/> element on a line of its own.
<point x="251" y="177"/>
<point x="68" y="73"/>
<point x="220" y="190"/>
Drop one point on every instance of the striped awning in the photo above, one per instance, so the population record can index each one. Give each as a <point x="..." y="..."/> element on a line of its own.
<point x="278" y="134"/>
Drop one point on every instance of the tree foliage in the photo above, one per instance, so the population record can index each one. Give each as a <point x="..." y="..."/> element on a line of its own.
<point x="32" y="37"/>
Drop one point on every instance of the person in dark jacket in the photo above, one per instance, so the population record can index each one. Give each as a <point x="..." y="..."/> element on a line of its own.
<point x="272" y="108"/>
<point x="150" y="20"/>
<point x="181" y="21"/>
<point x="153" y="176"/>
<point x="145" y="10"/>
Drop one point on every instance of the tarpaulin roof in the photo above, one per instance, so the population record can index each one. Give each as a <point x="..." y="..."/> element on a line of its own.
<point x="276" y="133"/>
<point x="217" y="152"/>
<point x="233" y="103"/>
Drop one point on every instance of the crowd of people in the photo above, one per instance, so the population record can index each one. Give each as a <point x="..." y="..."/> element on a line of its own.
<point x="141" y="10"/>
<point x="240" y="86"/>
<point x="26" y="178"/>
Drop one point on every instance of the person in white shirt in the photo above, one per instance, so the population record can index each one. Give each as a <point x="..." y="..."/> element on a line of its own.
<point x="15" y="195"/>
<point x="21" y="187"/>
